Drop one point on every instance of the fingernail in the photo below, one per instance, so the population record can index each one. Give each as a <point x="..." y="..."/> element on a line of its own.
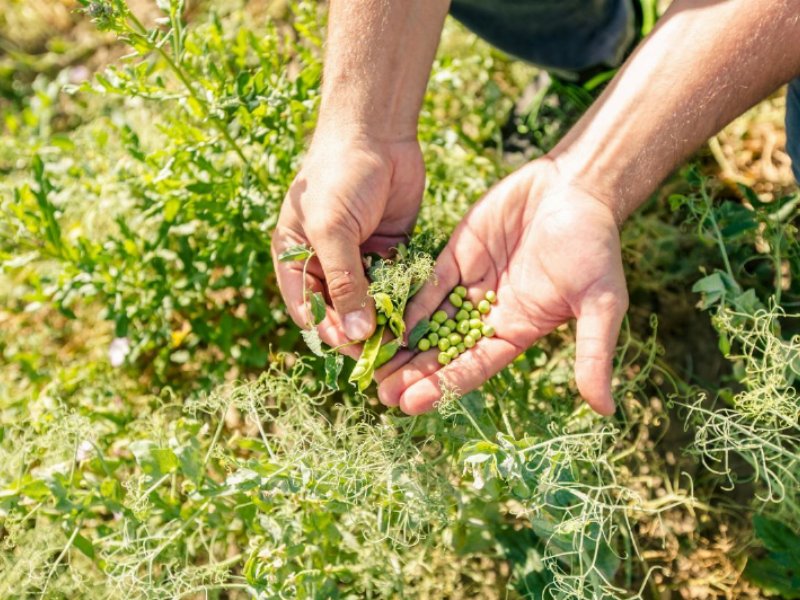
<point x="357" y="325"/>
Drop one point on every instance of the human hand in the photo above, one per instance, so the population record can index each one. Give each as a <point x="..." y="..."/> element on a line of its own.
<point x="354" y="194"/>
<point x="551" y="251"/>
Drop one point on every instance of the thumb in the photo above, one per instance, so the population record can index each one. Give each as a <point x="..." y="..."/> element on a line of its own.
<point x="598" y="329"/>
<point x="338" y="253"/>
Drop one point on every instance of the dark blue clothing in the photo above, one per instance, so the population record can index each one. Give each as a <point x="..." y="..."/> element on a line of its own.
<point x="575" y="35"/>
<point x="562" y="34"/>
<point x="793" y="126"/>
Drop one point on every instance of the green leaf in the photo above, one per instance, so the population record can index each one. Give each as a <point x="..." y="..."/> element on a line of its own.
<point x="779" y="571"/>
<point x="317" y="307"/>
<point x="191" y="461"/>
<point x="34" y="488"/>
<point x="774" y="577"/>
<point x="365" y="366"/>
<point x="384" y="303"/>
<point x="298" y="252"/>
<point x="153" y="460"/>
<point x="738" y="227"/>
<point x="84" y="545"/>
<point x="713" y="288"/>
<point x="171" y="208"/>
<point x="776" y="536"/>
<point x="386" y="352"/>
<point x="750" y="194"/>
<point x="418" y="332"/>
<point x="333" y="367"/>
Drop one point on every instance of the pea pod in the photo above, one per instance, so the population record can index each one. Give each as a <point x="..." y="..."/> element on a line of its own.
<point x="387" y="351"/>
<point x="396" y="324"/>
<point x="384" y="303"/>
<point x="365" y="367"/>
<point x="419" y="331"/>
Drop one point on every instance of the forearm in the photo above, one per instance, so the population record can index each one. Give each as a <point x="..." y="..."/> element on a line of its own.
<point x="706" y="63"/>
<point x="378" y="59"/>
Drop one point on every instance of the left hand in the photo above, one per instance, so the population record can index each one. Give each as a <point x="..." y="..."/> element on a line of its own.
<point x="551" y="251"/>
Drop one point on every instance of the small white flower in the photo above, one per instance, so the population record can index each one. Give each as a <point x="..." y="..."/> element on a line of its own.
<point x="85" y="451"/>
<point x="118" y="350"/>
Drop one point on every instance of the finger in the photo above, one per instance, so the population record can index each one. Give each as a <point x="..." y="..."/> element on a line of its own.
<point x="597" y="332"/>
<point x="394" y="385"/>
<point x="330" y="331"/>
<point x="291" y="282"/>
<point x="339" y="254"/>
<point x="430" y="297"/>
<point x="467" y="372"/>
<point x="294" y="286"/>
<point x="397" y="361"/>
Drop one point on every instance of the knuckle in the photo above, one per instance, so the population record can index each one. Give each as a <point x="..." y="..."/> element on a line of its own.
<point x="341" y="283"/>
<point x="327" y="226"/>
<point x="592" y="357"/>
<point x="612" y="302"/>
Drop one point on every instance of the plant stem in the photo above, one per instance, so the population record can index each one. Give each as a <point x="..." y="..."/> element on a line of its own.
<point x="221" y="127"/>
<point x="718" y="234"/>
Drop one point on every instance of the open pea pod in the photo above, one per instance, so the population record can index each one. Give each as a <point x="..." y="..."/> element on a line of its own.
<point x="387" y="351"/>
<point x="366" y="364"/>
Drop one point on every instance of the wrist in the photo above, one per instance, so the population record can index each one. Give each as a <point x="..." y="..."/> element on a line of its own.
<point x="342" y="137"/>
<point x="357" y="119"/>
<point x="603" y="178"/>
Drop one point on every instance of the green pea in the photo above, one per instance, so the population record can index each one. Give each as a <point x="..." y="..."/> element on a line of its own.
<point x="475" y="334"/>
<point x="424" y="345"/>
<point x="451" y="324"/>
<point x="484" y="307"/>
<point x="444" y="358"/>
<point x="380" y="319"/>
<point x="461" y="348"/>
<point x="434" y="325"/>
<point x="461" y="291"/>
<point x="439" y="316"/>
<point x="475" y="323"/>
<point x="467" y="306"/>
<point x="463" y="327"/>
<point x="452" y="351"/>
<point x="487" y="330"/>
<point x="462" y="315"/>
<point x="455" y="300"/>
<point x="444" y="331"/>
<point x="455" y="339"/>
<point x="469" y="341"/>
<point x="433" y="338"/>
<point x="443" y="344"/>
<point x="474" y="314"/>
<point x="491" y="296"/>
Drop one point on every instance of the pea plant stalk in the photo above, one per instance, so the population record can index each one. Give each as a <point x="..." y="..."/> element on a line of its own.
<point x="119" y="18"/>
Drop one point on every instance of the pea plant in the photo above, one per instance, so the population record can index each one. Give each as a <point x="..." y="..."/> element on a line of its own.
<point x="759" y="422"/>
<point x="165" y="432"/>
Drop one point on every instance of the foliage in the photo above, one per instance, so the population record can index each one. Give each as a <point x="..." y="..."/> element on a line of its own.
<point x="777" y="572"/>
<point x="158" y="442"/>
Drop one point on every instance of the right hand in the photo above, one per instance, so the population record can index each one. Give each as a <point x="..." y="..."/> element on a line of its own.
<point x="354" y="194"/>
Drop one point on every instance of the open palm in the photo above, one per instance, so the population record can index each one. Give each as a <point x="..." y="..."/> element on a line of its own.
<point x="551" y="252"/>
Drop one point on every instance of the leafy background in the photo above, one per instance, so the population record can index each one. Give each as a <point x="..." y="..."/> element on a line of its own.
<point x="164" y="431"/>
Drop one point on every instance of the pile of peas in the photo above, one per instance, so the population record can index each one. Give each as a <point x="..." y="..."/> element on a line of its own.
<point x="457" y="335"/>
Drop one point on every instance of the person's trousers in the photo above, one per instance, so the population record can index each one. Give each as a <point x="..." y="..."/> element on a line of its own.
<point x="578" y="35"/>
